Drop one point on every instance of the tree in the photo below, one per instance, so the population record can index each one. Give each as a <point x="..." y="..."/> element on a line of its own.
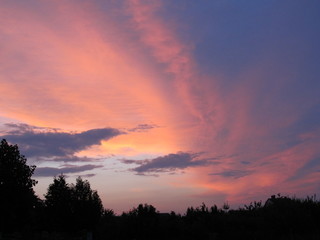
<point x="144" y="211"/>
<point x="58" y="202"/>
<point x="87" y="204"/>
<point x="72" y="207"/>
<point x="141" y="222"/>
<point x="17" y="198"/>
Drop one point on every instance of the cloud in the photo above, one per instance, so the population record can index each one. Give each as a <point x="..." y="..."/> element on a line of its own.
<point x="233" y="173"/>
<point x="168" y="48"/>
<point x="18" y="128"/>
<point x="72" y="158"/>
<point x="128" y="161"/>
<point x="87" y="175"/>
<point x="52" y="171"/>
<point x="170" y="162"/>
<point x="49" y="143"/>
<point x="143" y="128"/>
<point x="149" y="174"/>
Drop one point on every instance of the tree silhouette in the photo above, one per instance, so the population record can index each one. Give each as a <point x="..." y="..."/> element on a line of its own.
<point x="86" y="204"/>
<point x="58" y="204"/>
<point x="17" y="198"/>
<point x="72" y="207"/>
<point x="141" y="222"/>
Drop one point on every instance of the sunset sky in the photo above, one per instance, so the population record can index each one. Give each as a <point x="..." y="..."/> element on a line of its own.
<point x="170" y="103"/>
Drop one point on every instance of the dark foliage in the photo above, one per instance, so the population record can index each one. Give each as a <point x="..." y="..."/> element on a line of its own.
<point x="72" y="207"/>
<point x="279" y="218"/>
<point x="141" y="222"/>
<point x="58" y="203"/>
<point x="17" y="198"/>
<point x="87" y="205"/>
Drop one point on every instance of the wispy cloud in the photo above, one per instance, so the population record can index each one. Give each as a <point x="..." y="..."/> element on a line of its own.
<point x="233" y="173"/>
<point x="167" y="48"/>
<point x="143" y="128"/>
<point x="51" y="171"/>
<point x="311" y="166"/>
<point x="20" y="128"/>
<point x="170" y="162"/>
<point x="71" y="158"/>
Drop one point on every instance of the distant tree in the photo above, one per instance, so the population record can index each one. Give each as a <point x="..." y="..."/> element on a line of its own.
<point x="108" y="213"/>
<point x="226" y="206"/>
<point x="143" y="211"/>
<point x="17" y="198"/>
<point x="141" y="222"/>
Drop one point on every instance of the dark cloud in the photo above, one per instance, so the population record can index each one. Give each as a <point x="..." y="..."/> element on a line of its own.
<point x="170" y="162"/>
<point x="245" y="162"/>
<point x="87" y="175"/>
<point x="51" y="171"/>
<point x="233" y="173"/>
<point x="142" y="128"/>
<point x="148" y="175"/>
<point x="50" y="143"/>
<point x="128" y="161"/>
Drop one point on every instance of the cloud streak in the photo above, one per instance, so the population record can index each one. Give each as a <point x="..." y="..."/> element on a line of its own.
<point x="51" y="171"/>
<point x="170" y="162"/>
<point x="233" y="173"/>
<point x="143" y="128"/>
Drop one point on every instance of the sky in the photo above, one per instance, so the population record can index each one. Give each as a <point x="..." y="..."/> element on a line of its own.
<point x="170" y="103"/>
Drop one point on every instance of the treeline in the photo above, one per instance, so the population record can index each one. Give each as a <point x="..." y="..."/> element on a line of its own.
<point x="280" y="218"/>
<point x="74" y="211"/>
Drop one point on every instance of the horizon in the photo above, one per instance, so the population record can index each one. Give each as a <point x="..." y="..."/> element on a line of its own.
<point x="169" y="103"/>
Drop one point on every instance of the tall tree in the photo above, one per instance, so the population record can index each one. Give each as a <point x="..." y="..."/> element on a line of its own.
<point x="17" y="198"/>
<point x="58" y="201"/>
<point x="87" y="204"/>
